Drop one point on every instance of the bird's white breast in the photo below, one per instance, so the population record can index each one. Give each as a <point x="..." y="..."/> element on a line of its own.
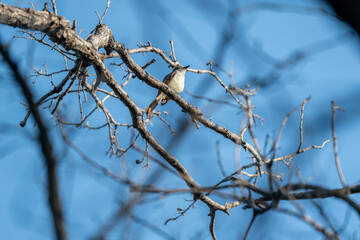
<point x="177" y="83"/>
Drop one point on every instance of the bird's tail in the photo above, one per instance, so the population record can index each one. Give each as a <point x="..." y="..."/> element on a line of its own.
<point x="152" y="106"/>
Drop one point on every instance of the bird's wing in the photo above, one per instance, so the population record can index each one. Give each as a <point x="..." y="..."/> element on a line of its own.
<point x="168" y="77"/>
<point x="166" y="80"/>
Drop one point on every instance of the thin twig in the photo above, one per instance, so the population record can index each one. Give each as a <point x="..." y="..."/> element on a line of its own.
<point x="250" y="224"/>
<point x="145" y="223"/>
<point x="54" y="6"/>
<point x="180" y="213"/>
<point x="335" y="144"/>
<point x="92" y="162"/>
<point x="213" y="100"/>
<point x="218" y="153"/>
<point x="106" y="9"/>
<point x="172" y="50"/>
<point x="301" y="124"/>
<point x="252" y="134"/>
<point x="274" y="147"/>
<point x="326" y="232"/>
<point x="67" y="89"/>
<point x="212" y="223"/>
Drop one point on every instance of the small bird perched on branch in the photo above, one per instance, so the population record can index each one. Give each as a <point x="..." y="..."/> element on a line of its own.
<point x="175" y="80"/>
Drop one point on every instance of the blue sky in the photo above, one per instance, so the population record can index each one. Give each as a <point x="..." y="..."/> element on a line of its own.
<point x="328" y="72"/>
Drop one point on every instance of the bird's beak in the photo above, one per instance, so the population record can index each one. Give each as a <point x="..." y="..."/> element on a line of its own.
<point x="187" y="66"/>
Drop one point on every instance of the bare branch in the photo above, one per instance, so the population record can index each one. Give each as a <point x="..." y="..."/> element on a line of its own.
<point x="326" y="232"/>
<point x="46" y="147"/>
<point x="239" y="188"/>
<point x="212" y="223"/>
<point x="250" y="224"/>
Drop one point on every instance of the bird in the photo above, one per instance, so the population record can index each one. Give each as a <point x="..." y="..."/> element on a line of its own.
<point x="174" y="80"/>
